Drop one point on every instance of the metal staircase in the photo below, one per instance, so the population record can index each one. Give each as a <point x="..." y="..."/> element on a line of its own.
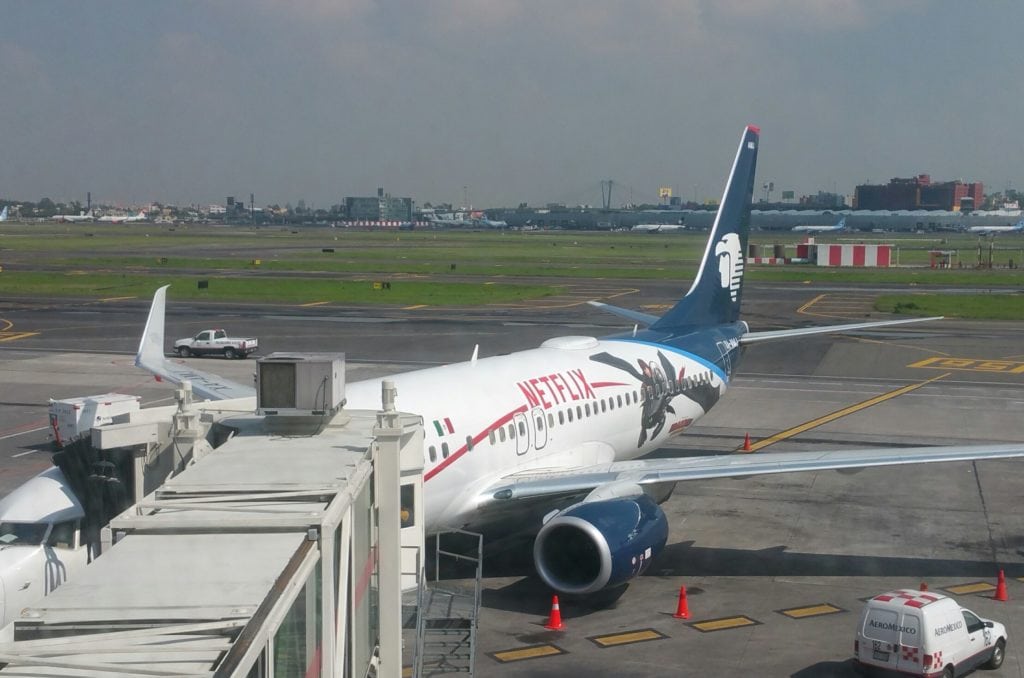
<point x="446" y="622"/>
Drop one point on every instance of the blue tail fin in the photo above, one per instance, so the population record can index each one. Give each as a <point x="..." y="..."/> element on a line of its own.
<point x="714" y="298"/>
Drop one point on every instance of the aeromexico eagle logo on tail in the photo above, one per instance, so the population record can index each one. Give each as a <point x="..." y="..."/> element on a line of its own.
<point x="730" y="262"/>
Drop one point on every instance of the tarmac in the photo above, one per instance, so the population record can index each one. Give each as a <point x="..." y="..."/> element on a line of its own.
<point x="776" y="568"/>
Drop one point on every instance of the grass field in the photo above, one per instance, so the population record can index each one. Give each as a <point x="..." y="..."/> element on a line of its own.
<point x="285" y="290"/>
<point x="130" y="259"/>
<point x="976" y="306"/>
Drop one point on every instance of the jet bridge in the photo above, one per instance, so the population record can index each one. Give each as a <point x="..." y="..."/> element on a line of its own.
<point x="281" y="552"/>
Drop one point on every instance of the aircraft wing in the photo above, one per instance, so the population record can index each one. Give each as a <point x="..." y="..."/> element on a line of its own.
<point x="151" y="358"/>
<point x="527" y="486"/>
<point x="753" y="337"/>
<point x="628" y="314"/>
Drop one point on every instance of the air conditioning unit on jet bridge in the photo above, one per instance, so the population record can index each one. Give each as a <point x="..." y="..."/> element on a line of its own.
<point x="300" y="384"/>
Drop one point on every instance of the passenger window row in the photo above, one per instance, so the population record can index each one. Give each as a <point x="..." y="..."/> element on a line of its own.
<point x="578" y="413"/>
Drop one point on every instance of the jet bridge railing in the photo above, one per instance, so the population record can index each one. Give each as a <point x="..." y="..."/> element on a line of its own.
<point x="447" y="616"/>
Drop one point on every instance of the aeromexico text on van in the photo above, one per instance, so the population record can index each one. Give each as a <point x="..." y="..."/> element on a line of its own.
<point x="939" y="630"/>
<point x="893" y="626"/>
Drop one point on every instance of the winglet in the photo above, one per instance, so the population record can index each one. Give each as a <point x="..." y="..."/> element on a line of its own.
<point x="151" y="347"/>
<point x="151" y="358"/>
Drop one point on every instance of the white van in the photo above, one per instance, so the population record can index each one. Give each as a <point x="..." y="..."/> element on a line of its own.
<point x="919" y="633"/>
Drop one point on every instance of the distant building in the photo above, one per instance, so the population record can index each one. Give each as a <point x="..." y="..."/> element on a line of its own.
<point x="918" y="193"/>
<point x="382" y="208"/>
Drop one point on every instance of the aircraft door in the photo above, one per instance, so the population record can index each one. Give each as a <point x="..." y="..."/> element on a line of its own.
<point x="522" y="427"/>
<point x="540" y="428"/>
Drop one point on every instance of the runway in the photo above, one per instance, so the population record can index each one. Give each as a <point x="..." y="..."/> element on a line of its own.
<point x="743" y="548"/>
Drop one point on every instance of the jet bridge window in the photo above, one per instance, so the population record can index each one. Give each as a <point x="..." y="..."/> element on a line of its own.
<point x="63" y="535"/>
<point x="408" y="505"/>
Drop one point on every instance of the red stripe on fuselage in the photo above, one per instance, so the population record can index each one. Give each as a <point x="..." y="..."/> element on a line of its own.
<point x="477" y="438"/>
<point x="606" y="384"/>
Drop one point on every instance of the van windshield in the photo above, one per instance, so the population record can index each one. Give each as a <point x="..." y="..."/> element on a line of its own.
<point x="22" y="533"/>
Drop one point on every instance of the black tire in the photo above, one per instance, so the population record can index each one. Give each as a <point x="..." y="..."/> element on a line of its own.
<point x="230" y="353"/>
<point x="184" y="352"/>
<point x="998" y="654"/>
<point x="949" y="672"/>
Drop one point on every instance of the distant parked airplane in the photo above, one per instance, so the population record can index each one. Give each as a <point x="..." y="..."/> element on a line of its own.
<point x="841" y="226"/>
<point x="123" y="219"/>
<point x="74" y="218"/>
<point x="3" y="215"/>
<point x="658" y="228"/>
<point x="992" y="230"/>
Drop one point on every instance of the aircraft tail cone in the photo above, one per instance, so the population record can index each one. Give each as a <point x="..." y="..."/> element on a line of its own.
<point x="682" y="609"/>
<point x="1001" y="589"/>
<point x="555" y="620"/>
<point x="924" y="586"/>
<point x="746" y="442"/>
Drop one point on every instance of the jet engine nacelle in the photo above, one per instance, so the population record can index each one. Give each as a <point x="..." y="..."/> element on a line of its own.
<point x="598" y="544"/>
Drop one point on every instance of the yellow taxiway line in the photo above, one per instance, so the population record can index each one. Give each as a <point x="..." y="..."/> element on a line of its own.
<point x="838" y="414"/>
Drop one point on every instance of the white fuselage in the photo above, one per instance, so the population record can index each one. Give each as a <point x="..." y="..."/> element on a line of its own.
<point x="551" y="407"/>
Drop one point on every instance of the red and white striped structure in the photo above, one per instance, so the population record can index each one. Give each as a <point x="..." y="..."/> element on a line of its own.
<point x="767" y="260"/>
<point x="854" y="255"/>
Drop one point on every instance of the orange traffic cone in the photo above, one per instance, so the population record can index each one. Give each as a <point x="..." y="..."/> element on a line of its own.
<point x="746" y="443"/>
<point x="1001" y="588"/>
<point x="555" y="620"/>
<point x="924" y="586"/>
<point x="682" y="610"/>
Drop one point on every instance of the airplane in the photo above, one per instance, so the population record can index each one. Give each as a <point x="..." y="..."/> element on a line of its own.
<point x="73" y="218"/>
<point x="658" y="228"/>
<point x="548" y="442"/>
<point x="3" y="214"/>
<point x="841" y="226"/>
<point x="123" y="219"/>
<point x="992" y="230"/>
<point x="41" y="542"/>
<point x="465" y="220"/>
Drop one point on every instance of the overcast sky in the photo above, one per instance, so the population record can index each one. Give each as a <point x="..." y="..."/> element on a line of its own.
<point x="534" y="101"/>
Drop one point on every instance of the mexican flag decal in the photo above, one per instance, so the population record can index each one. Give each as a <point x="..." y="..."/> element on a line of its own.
<point x="444" y="426"/>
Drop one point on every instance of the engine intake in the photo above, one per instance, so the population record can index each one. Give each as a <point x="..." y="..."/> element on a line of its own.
<point x="596" y="545"/>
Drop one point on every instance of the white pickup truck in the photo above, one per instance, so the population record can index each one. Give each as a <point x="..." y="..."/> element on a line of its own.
<point x="215" y="342"/>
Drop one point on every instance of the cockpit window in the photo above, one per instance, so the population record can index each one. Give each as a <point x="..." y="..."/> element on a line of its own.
<point x="22" y="533"/>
